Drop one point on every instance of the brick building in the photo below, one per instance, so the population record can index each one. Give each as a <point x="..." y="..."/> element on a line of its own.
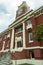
<point x="19" y="37"/>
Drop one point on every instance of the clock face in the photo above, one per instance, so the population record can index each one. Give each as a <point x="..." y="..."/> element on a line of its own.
<point x="20" y="11"/>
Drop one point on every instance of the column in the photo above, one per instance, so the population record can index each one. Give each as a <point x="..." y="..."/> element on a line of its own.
<point x="3" y="46"/>
<point x="12" y="39"/>
<point x="15" y="42"/>
<point x="24" y="45"/>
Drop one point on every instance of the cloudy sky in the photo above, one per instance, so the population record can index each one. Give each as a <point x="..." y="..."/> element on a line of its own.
<point x="8" y="10"/>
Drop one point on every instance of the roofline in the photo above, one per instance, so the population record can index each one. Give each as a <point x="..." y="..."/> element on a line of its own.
<point x="21" y="16"/>
<point x="26" y="14"/>
<point x="31" y="12"/>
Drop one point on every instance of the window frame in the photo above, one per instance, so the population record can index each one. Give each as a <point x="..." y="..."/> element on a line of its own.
<point x="20" y="11"/>
<point x="29" y="24"/>
<point x="30" y="37"/>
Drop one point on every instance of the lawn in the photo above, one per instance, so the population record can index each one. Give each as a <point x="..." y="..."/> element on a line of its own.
<point x="26" y="64"/>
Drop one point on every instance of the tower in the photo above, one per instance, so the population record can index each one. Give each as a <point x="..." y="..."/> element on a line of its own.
<point x="22" y="9"/>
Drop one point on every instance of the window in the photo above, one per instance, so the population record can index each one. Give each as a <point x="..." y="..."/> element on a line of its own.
<point x="19" y="11"/>
<point x="30" y="37"/>
<point x="29" y="24"/>
<point x="8" y="36"/>
<point x="19" y="29"/>
<point x="31" y="54"/>
<point x="19" y="41"/>
<point x="19" y="44"/>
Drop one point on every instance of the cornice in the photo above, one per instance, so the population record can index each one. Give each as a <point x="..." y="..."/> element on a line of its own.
<point x="20" y="17"/>
<point x="35" y="13"/>
<point x="23" y="17"/>
<point x="38" y="11"/>
<point x="28" y="14"/>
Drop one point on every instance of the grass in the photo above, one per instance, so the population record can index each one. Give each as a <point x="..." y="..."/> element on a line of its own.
<point x="26" y="64"/>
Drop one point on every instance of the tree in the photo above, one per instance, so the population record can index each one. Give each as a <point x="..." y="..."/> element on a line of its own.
<point x="39" y="33"/>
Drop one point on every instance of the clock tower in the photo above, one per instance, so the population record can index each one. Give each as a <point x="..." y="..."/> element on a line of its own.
<point x="22" y="9"/>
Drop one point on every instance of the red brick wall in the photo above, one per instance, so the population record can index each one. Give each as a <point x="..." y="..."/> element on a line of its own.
<point x="18" y="55"/>
<point x="8" y="40"/>
<point x="39" y="19"/>
<point x="21" y="55"/>
<point x="25" y="54"/>
<point x="35" y="22"/>
<point x="38" y="53"/>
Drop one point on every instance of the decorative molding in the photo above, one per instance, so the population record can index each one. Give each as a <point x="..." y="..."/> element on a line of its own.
<point x="38" y="11"/>
<point x="21" y="49"/>
<point x="37" y="47"/>
<point x="26" y="15"/>
<point x="28" y="61"/>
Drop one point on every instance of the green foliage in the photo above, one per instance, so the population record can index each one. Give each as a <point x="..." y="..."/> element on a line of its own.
<point x="39" y="33"/>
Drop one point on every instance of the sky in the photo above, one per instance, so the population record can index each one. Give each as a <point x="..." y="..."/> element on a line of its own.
<point x="8" y="10"/>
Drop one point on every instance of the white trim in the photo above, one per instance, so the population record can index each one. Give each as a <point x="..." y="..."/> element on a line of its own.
<point x="17" y="49"/>
<point x="8" y="36"/>
<point x="24" y="44"/>
<point x="19" y="38"/>
<point x="29" y="26"/>
<point x="3" y="45"/>
<point x="19" y="32"/>
<point x="37" y="47"/>
<point x="29" y="61"/>
<point x="4" y="50"/>
<point x="28" y="15"/>
<point x="30" y="41"/>
<point x="12" y="39"/>
<point x="39" y="15"/>
<point x="21" y="49"/>
<point x="15" y="42"/>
